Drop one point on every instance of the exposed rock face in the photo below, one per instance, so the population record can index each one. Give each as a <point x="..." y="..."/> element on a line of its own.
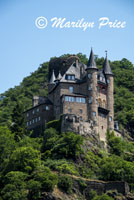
<point x="72" y="123"/>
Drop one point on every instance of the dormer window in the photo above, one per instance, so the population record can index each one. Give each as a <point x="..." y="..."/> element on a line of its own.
<point x="70" y="77"/>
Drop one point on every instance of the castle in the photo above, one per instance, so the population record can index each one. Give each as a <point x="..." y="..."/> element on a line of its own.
<point x="82" y="95"/>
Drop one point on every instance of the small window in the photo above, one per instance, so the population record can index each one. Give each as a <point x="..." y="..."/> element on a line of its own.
<point x="80" y="118"/>
<point x="80" y="100"/>
<point x="71" y="89"/>
<point x="30" y="122"/>
<point x="38" y="118"/>
<point x="27" y="114"/>
<point x="66" y="98"/>
<point x="71" y="99"/>
<point x="90" y="87"/>
<point x="33" y="121"/>
<point x="108" y="81"/>
<point x="37" y="109"/>
<point x="89" y="75"/>
<point x="81" y="111"/>
<point x="33" y="111"/>
<point x="110" y="118"/>
<point x="70" y="77"/>
<point x="27" y="123"/>
<point x="94" y="114"/>
<point x="47" y="107"/>
<point x="90" y="100"/>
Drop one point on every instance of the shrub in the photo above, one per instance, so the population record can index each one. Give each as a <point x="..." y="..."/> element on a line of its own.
<point x="68" y="146"/>
<point x="46" y="178"/>
<point x="103" y="197"/>
<point x="82" y="185"/>
<point x="56" y="124"/>
<point x="62" y="165"/>
<point x="65" y="183"/>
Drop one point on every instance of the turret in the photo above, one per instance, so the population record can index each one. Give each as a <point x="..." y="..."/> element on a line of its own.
<point x="51" y="82"/>
<point x="92" y="89"/>
<point x="59" y="77"/>
<point x="110" y="89"/>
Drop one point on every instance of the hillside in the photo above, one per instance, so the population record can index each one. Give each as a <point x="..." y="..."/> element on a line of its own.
<point x="57" y="166"/>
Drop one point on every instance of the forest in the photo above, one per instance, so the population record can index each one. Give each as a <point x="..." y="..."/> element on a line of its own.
<point x="31" y="166"/>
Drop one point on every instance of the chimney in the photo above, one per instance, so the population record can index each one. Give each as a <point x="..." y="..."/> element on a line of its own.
<point x="35" y="101"/>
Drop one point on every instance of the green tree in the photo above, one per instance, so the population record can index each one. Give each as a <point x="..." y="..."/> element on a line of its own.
<point x="15" y="186"/>
<point x="68" y="145"/>
<point x="18" y="121"/>
<point x="25" y="159"/>
<point x="34" y="188"/>
<point x="46" y="178"/>
<point x="102" y="197"/>
<point x="7" y="146"/>
<point x="65" y="183"/>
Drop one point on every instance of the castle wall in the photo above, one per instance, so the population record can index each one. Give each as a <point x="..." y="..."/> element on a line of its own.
<point x="102" y="129"/>
<point x="64" y="88"/>
<point x="83" y="88"/>
<point x="39" y="115"/>
<point x="79" y="109"/>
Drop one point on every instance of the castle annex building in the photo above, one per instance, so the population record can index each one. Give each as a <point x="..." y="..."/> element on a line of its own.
<point x="82" y="95"/>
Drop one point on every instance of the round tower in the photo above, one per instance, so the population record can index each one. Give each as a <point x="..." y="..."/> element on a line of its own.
<point x="92" y="89"/>
<point x="110" y="90"/>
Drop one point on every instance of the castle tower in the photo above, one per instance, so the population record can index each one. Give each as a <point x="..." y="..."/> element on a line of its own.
<point x="92" y="106"/>
<point x="110" y="89"/>
<point x="52" y="81"/>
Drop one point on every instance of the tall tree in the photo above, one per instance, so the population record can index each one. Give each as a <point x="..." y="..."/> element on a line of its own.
<point x="18" y="121"/>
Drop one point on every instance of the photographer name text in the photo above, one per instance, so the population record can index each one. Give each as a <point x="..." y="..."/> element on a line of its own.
<point x="62" y="23"/>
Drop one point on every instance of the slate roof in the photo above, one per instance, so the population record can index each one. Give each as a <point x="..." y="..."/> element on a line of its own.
<point x="74" y="70"/>
<point x="91" y="62"/>
<point x="52" y="79"/>
<point x="106" y="67"/>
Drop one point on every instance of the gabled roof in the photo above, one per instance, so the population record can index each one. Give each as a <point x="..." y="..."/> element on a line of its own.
<point x="91" y="62"/>
<point x="73" y="70"/>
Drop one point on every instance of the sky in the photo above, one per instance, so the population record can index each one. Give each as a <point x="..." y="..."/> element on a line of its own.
<point x="24" y="44"/>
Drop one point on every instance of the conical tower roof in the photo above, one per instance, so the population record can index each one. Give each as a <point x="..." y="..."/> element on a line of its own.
<point x="106" y="67"/>
<point x="91" y="61"/>
<point x="52" y="79"/>
<point x="59" y="77"/>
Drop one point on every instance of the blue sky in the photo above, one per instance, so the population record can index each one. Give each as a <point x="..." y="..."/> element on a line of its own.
<point x="23" y="47"/>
